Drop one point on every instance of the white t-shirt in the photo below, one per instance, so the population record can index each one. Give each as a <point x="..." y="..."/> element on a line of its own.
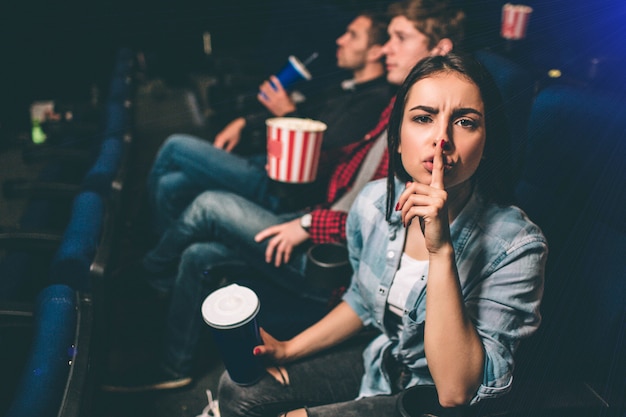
<point x="409" y="272"/>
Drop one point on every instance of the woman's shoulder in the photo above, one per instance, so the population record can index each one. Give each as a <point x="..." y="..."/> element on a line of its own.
<point x="510" y="224"/>
<point x="373" y="192"/>
<point x="370" y="203"/>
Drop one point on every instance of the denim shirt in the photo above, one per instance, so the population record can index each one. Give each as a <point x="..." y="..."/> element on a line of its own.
<point x="500" y="256"/>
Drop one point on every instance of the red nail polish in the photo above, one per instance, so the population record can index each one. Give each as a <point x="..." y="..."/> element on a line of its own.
<point x="443" y="143"/>
<point x="397" y="206"/>
<point x="256" y="351"/>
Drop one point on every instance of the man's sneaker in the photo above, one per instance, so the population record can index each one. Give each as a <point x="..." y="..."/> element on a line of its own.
<point x="151" y="379"/>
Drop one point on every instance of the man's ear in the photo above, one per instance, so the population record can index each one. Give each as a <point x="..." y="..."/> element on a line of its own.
<point x="375" y="53"/>
<point x="444" y="46"/>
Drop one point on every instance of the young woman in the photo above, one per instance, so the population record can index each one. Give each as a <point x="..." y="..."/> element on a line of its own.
<point x="448" y="274"/>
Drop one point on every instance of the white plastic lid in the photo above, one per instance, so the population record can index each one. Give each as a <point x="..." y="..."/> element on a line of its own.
<point x="300" y="67"/>
<point x="230" y="307"/>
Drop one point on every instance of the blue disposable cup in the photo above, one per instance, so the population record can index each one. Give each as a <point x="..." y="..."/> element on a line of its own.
<point x="292" y="72"/>
<point x="231" y="314"/>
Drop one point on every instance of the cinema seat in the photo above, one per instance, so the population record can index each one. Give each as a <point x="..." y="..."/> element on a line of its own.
<point x="53" y="379"/>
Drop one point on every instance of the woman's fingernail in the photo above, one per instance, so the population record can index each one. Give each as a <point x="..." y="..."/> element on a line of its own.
<point x="256" y="351"/>
<point x="443" y="143"/>
<point x="408" y="183"/>
<point x="397" y="206"/>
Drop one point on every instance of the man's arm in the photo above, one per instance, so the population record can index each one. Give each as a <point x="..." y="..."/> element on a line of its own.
<point x="328" y="226"/>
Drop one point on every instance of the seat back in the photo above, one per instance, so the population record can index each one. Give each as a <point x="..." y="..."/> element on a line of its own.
<point x="72" y="260"/>
<point x="517" y="89"/>
<point x="44" y="377"/>
<point x="574" y="187"/>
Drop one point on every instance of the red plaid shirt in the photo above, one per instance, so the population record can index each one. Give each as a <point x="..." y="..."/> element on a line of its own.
<point x="330" y="225"/>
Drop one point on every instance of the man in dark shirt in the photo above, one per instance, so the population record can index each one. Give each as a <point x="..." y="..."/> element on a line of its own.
<point x="185" y="165"/>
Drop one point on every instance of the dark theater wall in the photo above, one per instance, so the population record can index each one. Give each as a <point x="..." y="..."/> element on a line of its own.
<point x="59" y="49"/>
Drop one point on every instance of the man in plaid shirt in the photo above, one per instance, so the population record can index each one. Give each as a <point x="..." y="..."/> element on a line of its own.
<point x="221" y="228"/>
<point x="328" y="225"/>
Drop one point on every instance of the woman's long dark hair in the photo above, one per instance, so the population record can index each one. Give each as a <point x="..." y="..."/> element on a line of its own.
<point x="493" y="176"/>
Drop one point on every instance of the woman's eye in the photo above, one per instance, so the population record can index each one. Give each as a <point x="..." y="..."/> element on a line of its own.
<point x="468" y="123"/>
<point x="422" y="119"/>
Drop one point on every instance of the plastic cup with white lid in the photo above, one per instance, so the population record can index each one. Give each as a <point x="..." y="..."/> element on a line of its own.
<point x="231" y="313"/>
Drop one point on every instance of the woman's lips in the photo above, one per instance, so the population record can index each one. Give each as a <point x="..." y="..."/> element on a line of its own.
<point x="429" y="166"/>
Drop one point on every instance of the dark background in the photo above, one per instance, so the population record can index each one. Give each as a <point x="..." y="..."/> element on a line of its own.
<point x="60" y="50"/>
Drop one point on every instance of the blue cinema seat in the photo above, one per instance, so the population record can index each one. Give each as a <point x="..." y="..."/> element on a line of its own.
<point x="80" y="241"/>
<point x="54" y="371"/>
<point x="573" y="186"/>
<point x="517" y="88"/>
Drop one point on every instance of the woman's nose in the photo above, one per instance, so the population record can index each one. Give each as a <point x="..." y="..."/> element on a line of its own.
<point x="446" y="145"/>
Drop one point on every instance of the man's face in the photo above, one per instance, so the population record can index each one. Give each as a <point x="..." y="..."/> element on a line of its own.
<point x="405" y="48"/>
<point x="353" y="45"/>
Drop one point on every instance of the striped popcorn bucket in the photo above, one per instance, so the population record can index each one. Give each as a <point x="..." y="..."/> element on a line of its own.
<point x="515" y="21"/>
<point x="293" y="149"/>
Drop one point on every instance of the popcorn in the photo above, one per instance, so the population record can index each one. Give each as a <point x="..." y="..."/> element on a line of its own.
<point x="293" y="148"/>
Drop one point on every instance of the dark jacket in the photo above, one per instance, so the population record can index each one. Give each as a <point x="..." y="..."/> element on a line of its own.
<point x="349" y="110"/>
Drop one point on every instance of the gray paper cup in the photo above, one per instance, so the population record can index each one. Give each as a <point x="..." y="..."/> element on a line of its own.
<point x="231" y="314"/>
<point x="328" y="266"/>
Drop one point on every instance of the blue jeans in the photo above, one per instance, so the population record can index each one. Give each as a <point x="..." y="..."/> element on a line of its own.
<point x="215" y="231"/>
<point x="326" y="384"/>
<point x="186" y="165"/>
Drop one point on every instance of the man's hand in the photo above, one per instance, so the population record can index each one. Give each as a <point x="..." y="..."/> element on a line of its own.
<point x="275" y="98"/>
<point x="230" y="136"/>
<point x="283" y="239"/>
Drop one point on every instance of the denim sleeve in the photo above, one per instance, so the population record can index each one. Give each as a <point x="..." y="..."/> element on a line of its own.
<point x="505" y="309"/>
<point x="353" y="295"/>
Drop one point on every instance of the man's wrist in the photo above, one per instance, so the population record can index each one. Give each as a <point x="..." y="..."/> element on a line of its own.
<point x="306" y="221"/>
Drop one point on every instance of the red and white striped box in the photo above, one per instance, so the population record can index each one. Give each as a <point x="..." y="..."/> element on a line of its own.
<point x="515" y="21"/>
<point x="293" y="148"/>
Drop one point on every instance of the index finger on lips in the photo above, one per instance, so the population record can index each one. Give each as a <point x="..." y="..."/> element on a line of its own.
<point x="438" y="169"/>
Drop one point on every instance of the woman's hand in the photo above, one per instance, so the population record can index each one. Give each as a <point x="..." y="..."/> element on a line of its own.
<point x="283" y="239"/>
<point x="338" y="325"/>
<point x="428" y="203"/>
<point x="274" y="351"/>
<point x="275" y="98"/>
<point x="230" y="136"/>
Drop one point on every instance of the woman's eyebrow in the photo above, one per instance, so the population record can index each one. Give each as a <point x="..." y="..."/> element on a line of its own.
<point x="466" y="110"/>
<point x="456" y="113"/>
<point x="427" y="109"/>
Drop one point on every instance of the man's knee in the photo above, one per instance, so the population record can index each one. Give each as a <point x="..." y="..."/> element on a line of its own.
<point x="178" y="139"/>
<point x="200" y="261"/>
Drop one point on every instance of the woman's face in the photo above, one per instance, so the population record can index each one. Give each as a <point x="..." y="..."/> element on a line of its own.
<point x="405" y="48"/>
<point x="445" y="106"/>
